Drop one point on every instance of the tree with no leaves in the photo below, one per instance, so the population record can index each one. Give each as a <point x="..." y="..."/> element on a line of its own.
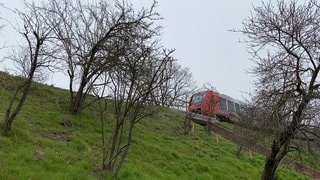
<point x="35" y="54"/>
<point x="288" y="34"/>
<point x="176" y="91"/>
<point x="92" y="35"/>
<point x="132" y="83"/>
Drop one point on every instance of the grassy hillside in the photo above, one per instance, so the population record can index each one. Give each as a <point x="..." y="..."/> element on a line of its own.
<point x="39" y="147"/>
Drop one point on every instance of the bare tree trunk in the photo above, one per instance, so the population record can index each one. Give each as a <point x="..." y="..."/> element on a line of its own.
<point x="270" y="168"/>
<point x="273" y="160"/>
<point x="9" y="117"/>
<point x="76" y="101"/>
<point x="280" y="146"/>
<point x="115" y="140"/>
<point x="125" y="150"/>
<point x="279" y="149"/>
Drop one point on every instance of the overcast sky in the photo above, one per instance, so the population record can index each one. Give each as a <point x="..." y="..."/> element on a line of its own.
<point x="198" y="30"/>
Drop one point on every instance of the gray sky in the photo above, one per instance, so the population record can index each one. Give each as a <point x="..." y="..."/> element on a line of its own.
<point x="198" y="30"/>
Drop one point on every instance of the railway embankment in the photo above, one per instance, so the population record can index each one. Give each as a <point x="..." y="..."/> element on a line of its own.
<point x="237" y="139"/>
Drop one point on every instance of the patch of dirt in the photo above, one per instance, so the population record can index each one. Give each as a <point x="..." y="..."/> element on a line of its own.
<point x="66" y="123"/>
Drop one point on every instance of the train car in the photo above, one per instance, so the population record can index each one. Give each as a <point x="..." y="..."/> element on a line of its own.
<point x="212" y="103"/>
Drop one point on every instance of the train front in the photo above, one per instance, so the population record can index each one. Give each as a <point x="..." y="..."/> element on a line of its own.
<point x="195" y="103"/>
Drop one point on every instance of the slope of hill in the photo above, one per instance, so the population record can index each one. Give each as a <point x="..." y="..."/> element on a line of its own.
<point x="40" y="146"/>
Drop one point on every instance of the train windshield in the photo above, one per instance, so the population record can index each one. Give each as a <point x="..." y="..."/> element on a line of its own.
<point x="197" y="98"/>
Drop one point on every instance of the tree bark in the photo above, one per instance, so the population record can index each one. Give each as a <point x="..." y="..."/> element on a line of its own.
<point x="9" y="117"/>
<point x="77" y="101"/>
<point x="271" y="165"/>
<point x="279" y="149"/>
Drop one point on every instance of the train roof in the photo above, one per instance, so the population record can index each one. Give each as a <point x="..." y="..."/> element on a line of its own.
<point x="224" y="96"/>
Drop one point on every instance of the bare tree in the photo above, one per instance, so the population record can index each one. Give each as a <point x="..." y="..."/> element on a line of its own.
<point x="35" y="54"/>
<point x="137" y="75"/>
<point x="176" y="91"/>
<point x="92" y="35"/>
<point x="288" y="74"/>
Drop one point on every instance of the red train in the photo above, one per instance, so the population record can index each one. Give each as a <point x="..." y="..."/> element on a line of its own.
<point x="212" y="103"/>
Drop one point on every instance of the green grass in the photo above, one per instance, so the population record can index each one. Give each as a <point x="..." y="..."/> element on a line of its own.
<point x="40" y="148"/>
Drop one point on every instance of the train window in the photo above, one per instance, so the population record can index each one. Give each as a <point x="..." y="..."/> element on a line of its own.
<point x="223" y="104"/>
<point x="237" y="106"/>
<point x="230" y="106"/>
<point x="197" y="98"/>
